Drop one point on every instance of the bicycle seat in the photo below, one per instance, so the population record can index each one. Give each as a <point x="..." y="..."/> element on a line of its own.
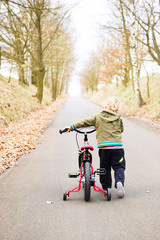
<point x="87" y="147"/>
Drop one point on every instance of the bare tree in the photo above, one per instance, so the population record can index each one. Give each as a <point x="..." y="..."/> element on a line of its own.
<point x="36" y="23"/>
<point x="125" y="20"/>
<point x="119" y="26"/>
<point x="133" y="48"/>
<point x="12" y="39"/>
<point x="90" y="75"/>
<point x="113" y="61"/>
<point x="59" y="58"/>
<point x="150" y="25"/>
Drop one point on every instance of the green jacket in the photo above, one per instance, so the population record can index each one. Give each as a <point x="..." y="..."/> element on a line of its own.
<point x="109" y="127"/>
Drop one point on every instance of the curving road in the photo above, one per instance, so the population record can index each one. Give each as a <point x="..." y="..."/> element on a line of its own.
<point x="31" y="205"/>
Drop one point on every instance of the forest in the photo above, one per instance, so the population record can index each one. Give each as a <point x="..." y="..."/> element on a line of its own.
<point x="36" y="41"/>
<point x="132" y="44"/>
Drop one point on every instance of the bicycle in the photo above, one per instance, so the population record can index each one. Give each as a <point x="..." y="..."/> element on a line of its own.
<point x="86" y="173"/>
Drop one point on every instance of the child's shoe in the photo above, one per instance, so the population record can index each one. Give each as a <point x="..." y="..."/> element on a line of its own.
<point x="120" y="190"/>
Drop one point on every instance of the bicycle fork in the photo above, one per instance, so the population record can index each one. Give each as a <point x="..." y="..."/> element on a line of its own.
<point x="99" y="171"/>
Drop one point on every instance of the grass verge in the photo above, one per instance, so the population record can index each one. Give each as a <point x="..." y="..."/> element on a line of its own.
<point x="151" y="108"/>
<point x="16" y="100"/>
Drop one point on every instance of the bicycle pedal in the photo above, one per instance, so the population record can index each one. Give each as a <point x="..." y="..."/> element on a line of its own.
<point x="101" y="171"/>
<point x="73" y="175"/>
<point x="92" y="180"/>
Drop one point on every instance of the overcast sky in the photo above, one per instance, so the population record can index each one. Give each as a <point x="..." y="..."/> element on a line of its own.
<point x="85" y="18"/>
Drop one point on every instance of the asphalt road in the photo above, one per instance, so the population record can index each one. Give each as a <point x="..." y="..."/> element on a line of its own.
<point x="31" y="205"/>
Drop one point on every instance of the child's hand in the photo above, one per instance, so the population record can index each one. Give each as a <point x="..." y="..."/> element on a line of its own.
<point x="68" y="129"/>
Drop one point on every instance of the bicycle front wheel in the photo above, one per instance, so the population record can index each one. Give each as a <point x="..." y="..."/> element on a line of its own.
<point x="87" y="184"/>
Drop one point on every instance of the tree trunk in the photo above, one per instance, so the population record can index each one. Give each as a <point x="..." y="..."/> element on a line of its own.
<point x="148" y="90"/>
<point x="21" y="75"/>
<point x="9" y="80"/>
<point x="40" y="63"/>
<point x="137" y="91"/>
<point x="40" y="77"/>
<point x="33" y="73"/>
<point x="127" y="47"/>
<point x="55" y="78"/>
<point x="117" y="82"/>
<point x="54" y="84"/>
<point x="34" y="77"/>
<point x="125" y="79"/>
<point x="61" y="87"/>
<point x="47" y="80"/>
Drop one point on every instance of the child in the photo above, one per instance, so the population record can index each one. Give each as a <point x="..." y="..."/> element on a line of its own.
<point x="109" y="127"/>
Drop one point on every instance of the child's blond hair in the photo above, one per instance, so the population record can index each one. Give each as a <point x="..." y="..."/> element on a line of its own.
<point x="112" y="104"/>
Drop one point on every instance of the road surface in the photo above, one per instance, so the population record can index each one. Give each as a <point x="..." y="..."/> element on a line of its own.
<point x="31" y="205"/>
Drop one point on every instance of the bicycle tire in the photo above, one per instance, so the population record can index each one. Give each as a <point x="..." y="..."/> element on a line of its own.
<point x="65" y="194"/>
<point x="109" y="194"/>
<point x="87" y="184"/>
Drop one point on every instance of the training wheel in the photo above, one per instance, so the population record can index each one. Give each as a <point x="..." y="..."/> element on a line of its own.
<point x="108" y="194"/>
<point x="65" y="194"/>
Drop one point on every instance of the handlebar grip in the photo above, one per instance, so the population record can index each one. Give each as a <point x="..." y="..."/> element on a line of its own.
<point x="63" y="131"/>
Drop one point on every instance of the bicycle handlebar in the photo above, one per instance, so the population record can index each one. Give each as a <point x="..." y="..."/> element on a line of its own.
<point x="63" y="130"/>
<point x="81" y="132"/>
<point x="85" y="132"/>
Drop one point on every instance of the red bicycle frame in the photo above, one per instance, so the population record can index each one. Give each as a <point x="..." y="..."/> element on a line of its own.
<point x="87" y="157"/>
<point x="78" y="188"/>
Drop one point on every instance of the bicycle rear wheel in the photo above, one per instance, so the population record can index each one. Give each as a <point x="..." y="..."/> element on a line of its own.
<point x="87" y="184"/>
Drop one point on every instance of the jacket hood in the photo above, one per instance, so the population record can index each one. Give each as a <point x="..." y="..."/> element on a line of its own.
<point x="109" y="116"/>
